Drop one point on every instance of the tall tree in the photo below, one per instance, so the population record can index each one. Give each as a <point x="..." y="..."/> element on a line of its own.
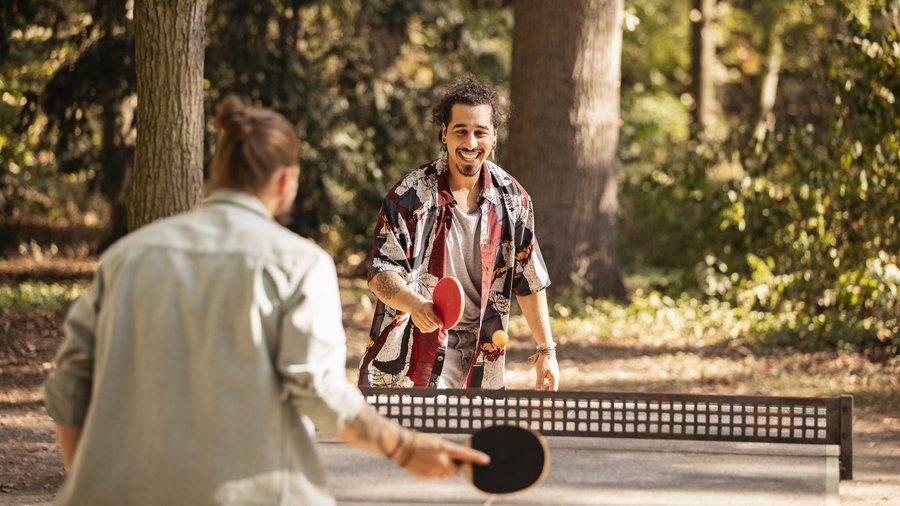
<point x="168" y="162"/>
<point x="771" y="23"/>
<point x="703" y="61"/>
<point x="564" y="132"/>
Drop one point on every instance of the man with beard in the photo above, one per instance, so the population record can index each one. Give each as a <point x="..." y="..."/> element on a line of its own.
<point x="462" y="216"/>
<point x="209" y="344"/>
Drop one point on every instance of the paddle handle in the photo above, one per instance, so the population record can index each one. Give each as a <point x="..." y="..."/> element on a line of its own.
<point x="466" y="469"/>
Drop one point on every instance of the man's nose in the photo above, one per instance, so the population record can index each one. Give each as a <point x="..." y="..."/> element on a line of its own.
<point x="470" y="141"/>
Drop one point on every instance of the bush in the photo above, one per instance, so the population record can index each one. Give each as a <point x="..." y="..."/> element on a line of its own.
<point x="810" y="231"/>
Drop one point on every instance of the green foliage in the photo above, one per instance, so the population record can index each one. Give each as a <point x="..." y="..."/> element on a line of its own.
<point x="809" y="230"/>
<point x="26" y="64"/>
<point x="665" y="206"/>
<point x="654" y="316"/>
<point x="369" y="122"/>
<point x="357" y="78"/>
<point x="37" y="295"/>
<point x="653" y="57"/>
<point x="796" y="232"/>
<point x="62" y="132"/>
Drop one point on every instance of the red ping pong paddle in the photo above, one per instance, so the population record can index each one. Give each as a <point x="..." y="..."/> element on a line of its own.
<point x="448" y="301"/>
<point x="520" y="459"/>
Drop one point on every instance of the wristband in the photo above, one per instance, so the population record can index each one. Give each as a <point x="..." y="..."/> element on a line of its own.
<point x="409" y="449"/>
<point x="545" y="349"/>
<point x="390" y="455"/>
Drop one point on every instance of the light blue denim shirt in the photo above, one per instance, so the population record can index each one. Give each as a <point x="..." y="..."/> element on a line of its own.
<point x="193" y="362"/>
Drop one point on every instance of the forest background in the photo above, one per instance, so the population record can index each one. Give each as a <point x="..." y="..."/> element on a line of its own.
<point x="776" y="195"/>
<point x="754" y="179"/>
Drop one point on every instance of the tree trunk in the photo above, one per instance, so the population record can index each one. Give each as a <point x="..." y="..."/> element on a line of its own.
<point x="774" y="51"/>
<point x="168" y="162"/>
<point x="703" y="61"/>
<point x="564" y="133"/>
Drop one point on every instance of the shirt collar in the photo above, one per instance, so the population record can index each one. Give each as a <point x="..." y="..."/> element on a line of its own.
<point x="238" y="198"/>
<point x="445" y="195"/>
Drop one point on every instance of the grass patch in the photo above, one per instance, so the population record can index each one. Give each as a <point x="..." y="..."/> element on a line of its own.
<point x="661" y="311"/>
<point x="37" y="295"/>
<point x="649" y="316"/>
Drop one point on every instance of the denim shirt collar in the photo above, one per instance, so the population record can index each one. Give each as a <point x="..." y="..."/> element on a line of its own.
<point x="238" y="198"/>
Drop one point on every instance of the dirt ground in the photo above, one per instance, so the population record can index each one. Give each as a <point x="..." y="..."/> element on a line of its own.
<point x="31" y="468"/>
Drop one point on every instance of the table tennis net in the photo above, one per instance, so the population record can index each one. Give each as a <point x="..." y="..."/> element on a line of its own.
<point x="805" y="420"/>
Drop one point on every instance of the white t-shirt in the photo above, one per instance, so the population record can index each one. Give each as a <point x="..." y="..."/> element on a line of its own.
<point x="464" y="261"/>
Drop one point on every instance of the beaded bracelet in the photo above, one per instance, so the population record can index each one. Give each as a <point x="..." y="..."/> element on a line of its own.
<point x="543" y="349"/>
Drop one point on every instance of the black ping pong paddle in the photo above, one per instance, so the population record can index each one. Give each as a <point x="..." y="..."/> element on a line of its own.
<point x="520" y="459"/>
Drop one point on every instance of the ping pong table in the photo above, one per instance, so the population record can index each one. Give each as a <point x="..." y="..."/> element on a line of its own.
<point x="620" y="448"/>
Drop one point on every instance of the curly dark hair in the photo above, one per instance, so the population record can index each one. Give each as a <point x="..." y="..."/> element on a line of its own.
<point x="467" y="90"/>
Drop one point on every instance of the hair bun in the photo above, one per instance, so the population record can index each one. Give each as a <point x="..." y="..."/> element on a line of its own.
<point x="234" y="118"/>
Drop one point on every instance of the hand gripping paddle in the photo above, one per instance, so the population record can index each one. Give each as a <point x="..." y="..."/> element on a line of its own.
<point x="520" y="459"/>
<point x="448" y="301"/>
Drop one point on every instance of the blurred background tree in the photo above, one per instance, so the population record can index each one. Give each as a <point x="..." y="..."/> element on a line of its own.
<point x="358" y="77"/>
<point x="781" y="199"/>
<point x="66" y="110"/>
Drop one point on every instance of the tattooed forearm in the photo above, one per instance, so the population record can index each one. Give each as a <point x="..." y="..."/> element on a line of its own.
<point x="387" y="285"/>
<point x="370" y="428"/>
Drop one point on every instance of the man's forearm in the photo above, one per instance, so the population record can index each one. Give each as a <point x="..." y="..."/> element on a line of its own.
<point x="372" y="432"/>
<point x="68" y="436"/>
<point x="534" y="308"/>
<point x="537" y="315"/>
<point x="390" y="288"/>
<point x="424" y="455"/>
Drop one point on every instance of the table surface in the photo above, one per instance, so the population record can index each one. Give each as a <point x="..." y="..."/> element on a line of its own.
<point x="612" y="471"/>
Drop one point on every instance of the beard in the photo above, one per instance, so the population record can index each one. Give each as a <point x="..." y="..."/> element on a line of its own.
<point x="468" y="169"/>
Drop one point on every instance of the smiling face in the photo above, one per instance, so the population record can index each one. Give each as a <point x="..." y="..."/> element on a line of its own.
<point x="470" y="137"/>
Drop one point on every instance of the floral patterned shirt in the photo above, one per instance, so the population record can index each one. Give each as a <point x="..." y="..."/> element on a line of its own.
<point x="410" y="239"/>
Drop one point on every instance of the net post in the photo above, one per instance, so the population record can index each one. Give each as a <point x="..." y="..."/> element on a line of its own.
<point x="846" y="428"/>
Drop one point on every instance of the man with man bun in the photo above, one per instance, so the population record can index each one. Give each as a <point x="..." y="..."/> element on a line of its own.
<point x="208" y="346"/>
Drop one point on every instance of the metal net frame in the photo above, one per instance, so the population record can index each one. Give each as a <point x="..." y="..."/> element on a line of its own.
<point x="803" y="420"/>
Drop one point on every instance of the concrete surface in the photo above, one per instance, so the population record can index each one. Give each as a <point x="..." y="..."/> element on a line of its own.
<point x="601" y="471"/>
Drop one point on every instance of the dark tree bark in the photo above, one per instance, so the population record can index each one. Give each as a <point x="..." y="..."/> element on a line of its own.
<point x="564" y="133"/>
<point x="168" y="165"/>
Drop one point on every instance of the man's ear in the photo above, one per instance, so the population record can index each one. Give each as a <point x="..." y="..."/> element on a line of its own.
<point x="443" y="133"/>
<point x="283" y="179"/>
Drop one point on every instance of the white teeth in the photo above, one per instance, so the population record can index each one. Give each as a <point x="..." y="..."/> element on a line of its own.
<point x="472" y="157"/>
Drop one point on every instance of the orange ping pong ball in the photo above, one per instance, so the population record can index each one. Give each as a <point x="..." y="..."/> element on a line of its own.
<point x="499" y="338"/>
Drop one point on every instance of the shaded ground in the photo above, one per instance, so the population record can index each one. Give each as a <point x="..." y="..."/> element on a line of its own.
<point x="31" y="469"/>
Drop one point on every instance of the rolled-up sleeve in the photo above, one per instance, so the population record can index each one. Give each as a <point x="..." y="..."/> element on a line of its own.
<point x="392" y="242"/>
<point x="312" y="352"/>
<point x="67" y="392"/>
